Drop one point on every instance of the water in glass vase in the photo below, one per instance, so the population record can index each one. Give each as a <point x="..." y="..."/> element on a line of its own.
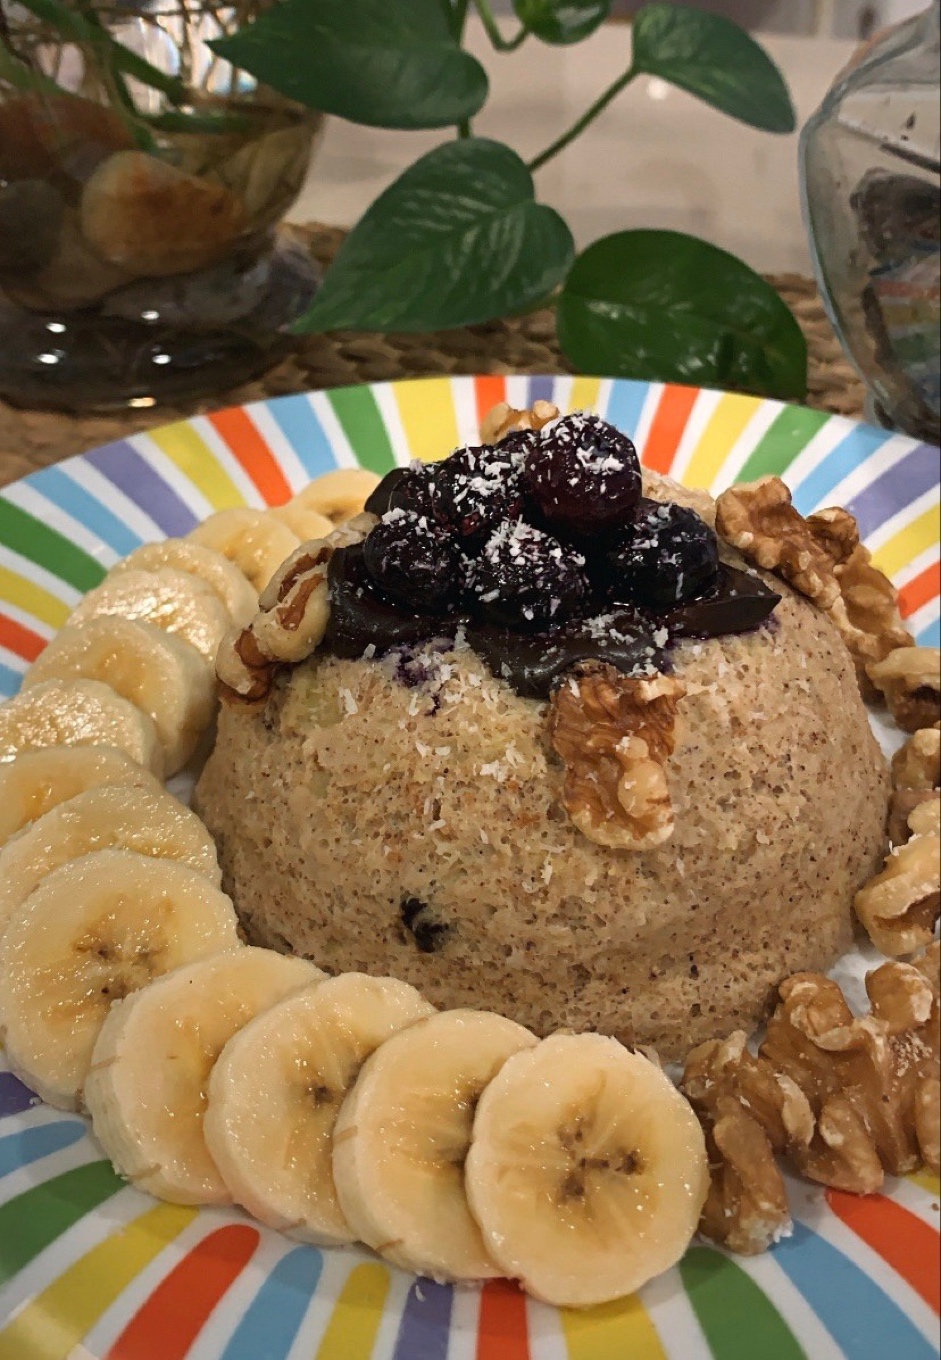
<point x="871" y="163"/>
<point x="140" y="256"/>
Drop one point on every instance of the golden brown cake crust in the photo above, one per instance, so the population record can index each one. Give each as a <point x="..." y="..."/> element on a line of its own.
<point x="349" y="793"/>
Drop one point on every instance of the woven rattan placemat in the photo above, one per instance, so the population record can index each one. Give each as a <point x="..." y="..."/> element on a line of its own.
<point x="34" y="439"/>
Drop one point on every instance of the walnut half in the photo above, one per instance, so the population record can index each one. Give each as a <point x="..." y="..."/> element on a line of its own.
<point x="292" y="618"/>
<point x="910" y="679"/>
<point x="748" y="1114"/>
<point x="901" y="905"/>
<point x="615" y="734"/>
<point x="823" y="558"/>
<point x="503" y="418"/>
<point x="916" y="785"/>
<point x="844" y="1099"/>
<point x="759" y="519"/>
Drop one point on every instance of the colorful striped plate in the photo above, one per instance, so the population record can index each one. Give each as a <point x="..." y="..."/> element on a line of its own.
<point x="92" y="1270"/>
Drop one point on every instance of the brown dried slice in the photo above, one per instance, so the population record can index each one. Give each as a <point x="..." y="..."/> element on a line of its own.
<point x="615" y="734"/>
<point x="901" y="905"/>
<point x="910" y="680"/>
<point x="759" y="520"/>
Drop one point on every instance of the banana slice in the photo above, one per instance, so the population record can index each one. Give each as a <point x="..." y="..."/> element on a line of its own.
<point x="150" y="823"/>
<point x="172" y="600"/>
<point x="276" y="1091"/>
<point x="402" y="1137"/>
<point x="340" y="494"/>
<point x="306" y="523"/>
<point x="587" y="1170"/>
<point x="163" y="675"/>
<point x="146" y="1088"/>
<point x="222" y="576"/>
<point x="38" y="781"/>
<point x="94" y="931"/>
<point x="252" y="539"/>
<point x="78" y="713"/>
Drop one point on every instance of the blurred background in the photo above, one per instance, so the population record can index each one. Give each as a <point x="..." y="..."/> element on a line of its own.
<point x="821" y="18"/>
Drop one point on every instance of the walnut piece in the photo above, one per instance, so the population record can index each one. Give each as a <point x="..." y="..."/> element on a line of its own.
<point x="916" y="795"/>
<point x="837" y="532"/>
<point x="822" y="557"/>
<point x="504" y="418"/>
<point x="843" y="1099"/>
<point x="910" y="680"/>
<point x="748" y="1114"/>
<point x="867" y="614"/>
<point x="759" y="519"/>
<point x="615" y="734"/>
<point x="869" y="1080"/>
<point x="292" y="618"/>
<point x="901" y="905"/>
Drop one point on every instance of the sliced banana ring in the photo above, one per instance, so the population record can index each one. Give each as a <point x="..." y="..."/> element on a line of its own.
<point x="146" y="1087"/>
<point x="304" y="522"/>
<point x="222" y="576"/>
<point x="78" y="713"/>
<point x="252" y="539"/>
<point x="150" y="823"/>
<point x="338" y="495"/>
<point x="37" y="781"/>
<point x="587" y="1170"/>
<point x="276" y="1092"/>
<point x="173" y="600"/>
<point x="402" y="1137"/>
<point x="93" y="931"/>
<point x="163" y="675"/>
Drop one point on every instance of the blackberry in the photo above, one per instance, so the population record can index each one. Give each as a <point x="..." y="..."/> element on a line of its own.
<point x="671" y="556"/>
<point x="414" y="562"/>
<point x="524" y="578"/>
<point x="583" y="476"/>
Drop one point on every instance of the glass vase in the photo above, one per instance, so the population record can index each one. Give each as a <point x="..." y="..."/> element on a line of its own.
<point x="871" y="172"/>
<point x="141" y="259"/>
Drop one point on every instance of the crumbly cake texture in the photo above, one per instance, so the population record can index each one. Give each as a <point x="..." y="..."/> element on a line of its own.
<point x="403" y="816"/>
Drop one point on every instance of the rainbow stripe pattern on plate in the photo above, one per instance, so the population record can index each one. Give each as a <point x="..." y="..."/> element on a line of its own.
<point x="63" y="527"/>
<point x="92" y="1270"/>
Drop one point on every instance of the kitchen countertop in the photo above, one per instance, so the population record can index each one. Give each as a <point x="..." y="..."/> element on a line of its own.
<point x="656" y="157"/>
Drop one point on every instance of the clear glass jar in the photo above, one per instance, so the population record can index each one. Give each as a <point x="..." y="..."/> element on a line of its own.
<point x="871" y="173"/>
<point x="140" y="258"/>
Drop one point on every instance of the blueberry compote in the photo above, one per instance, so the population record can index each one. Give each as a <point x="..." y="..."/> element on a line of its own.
<point x="542" y="553"/>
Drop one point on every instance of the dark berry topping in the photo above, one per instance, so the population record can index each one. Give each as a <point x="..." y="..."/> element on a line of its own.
<point x="381" y="499"/>
<point x="478" y="489"/>
<point x="671" y="556"/>
<point x="736" y="602"/>
<point x="419" y="920"/>
<point x="417" y="493"/>
<point x="361" y="621"/>
<point x="414" y="562"/>
<point x="583" y="475"/>
<point x="525" y="579"/>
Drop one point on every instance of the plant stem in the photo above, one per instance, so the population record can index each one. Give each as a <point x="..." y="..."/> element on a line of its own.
<point x="460" y="18"/>
<point x="499" y="43"/>
<point x="71" y="25"/>
<point x="23" y="77"/>
<point x="582" y="123"/>
<point x="104" y="49"/>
